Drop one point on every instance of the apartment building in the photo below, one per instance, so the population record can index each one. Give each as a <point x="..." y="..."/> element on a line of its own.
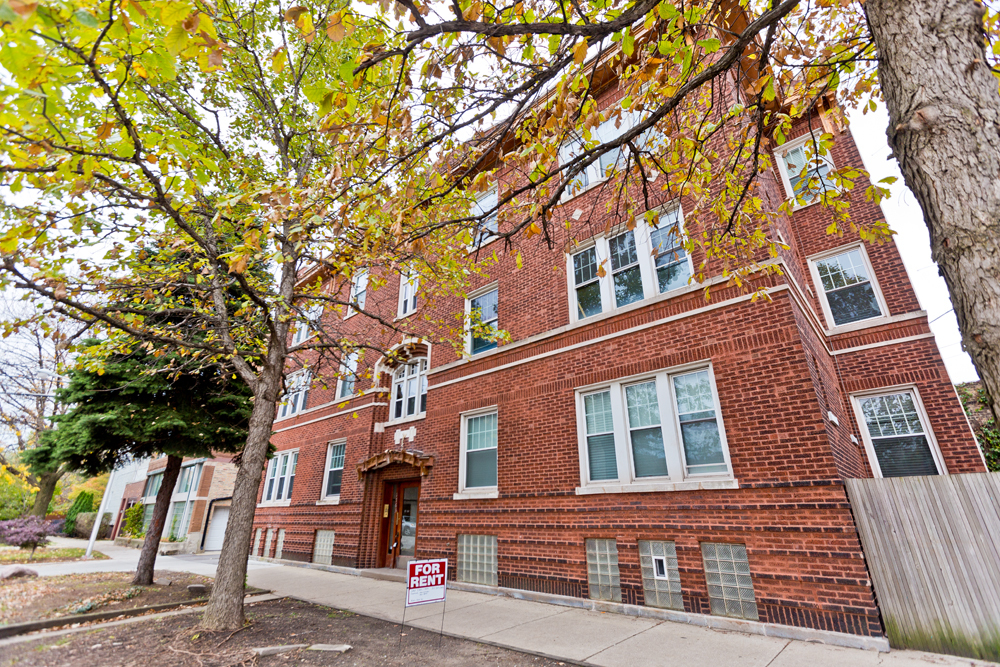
<point x="632" y="442"/>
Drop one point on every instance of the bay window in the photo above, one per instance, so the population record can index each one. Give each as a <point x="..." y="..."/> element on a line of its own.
<point x="649" y="431"/>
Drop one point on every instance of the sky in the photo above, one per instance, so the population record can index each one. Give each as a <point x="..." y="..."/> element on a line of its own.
<point x="904" y="216"/>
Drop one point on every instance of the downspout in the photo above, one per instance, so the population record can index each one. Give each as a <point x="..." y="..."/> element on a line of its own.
<point x="208" y="515"/>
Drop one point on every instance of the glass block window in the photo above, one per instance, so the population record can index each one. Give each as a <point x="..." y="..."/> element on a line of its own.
<point x="279" y="547"/>
<point x="477" y="559"/>
<point x="267" y="542"/>
<point x="730" y="587"/>
<point x="603" y="579"/>
<point x="897" y="435"/>
<point x="661" y="580"/>
<point x="323" y="547"/>
<point x="588" y="284"/>
<point x="600" y="436"/>
<point x="481" y="451"/>
<point x="256" y="543"/>
<point x="847" y="288"/>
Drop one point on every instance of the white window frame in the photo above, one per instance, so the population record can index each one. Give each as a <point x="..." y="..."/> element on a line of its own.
<point x="643" y="233"/>
<point x="859" y="416"/>
<point x="476" y="491"/>
<point x="406" y="303"/>
<point x="677" y="479"/>
<point x="333" y="498"/>
<point x="779" y="158"/>
<point x="289" y="457"/>
<point x="486" y="231"/>
<point x="298" y="384"/>
<point x="831" y="324"/>
<point x="482" y="291"/>
<point x="421" y="390"/>
<point x="303" y="326"/>
<point x="359" y="287"/>
<point x="348" y="367"/>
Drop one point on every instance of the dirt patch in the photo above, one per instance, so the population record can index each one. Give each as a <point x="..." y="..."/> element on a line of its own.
<point x="35" y="599"/>
<point x="43" y="555"/>
<point x="179" y="642"/>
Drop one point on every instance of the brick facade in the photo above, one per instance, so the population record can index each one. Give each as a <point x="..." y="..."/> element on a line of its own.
<point x="784" y="381"/>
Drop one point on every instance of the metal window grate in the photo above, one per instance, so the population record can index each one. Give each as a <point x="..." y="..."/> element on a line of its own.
<point x="323" y="549"/>
<point x="602" y="570"/>
<point x="477" y="559"/>
<point x="661" y="579"/>
<point x="730" y="587"/>
<point x="267" y="543"/>
<point x="281" y="543"/>
<point x="256" y="544"/>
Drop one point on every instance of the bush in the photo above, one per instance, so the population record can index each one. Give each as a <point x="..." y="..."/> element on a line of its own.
<point x="83" y="503"/>
<point x="27" y="532"/>
<point x="133" y="520"/>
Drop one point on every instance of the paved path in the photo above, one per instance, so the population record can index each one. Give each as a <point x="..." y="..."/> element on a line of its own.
<point x="564" y="633"/>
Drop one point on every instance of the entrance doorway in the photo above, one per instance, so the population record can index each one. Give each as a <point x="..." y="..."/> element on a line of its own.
<point x="398" y="541"/>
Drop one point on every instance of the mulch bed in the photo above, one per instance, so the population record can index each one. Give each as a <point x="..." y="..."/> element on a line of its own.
<point x="179" y="642"/>
<point x="43" y="555"/>
<point x="23" y="600"/>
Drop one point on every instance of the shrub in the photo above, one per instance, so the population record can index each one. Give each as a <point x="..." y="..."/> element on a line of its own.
<point x="133" y="520"/>
<point x="83" y="503"/>
<point x="27" y="532"/>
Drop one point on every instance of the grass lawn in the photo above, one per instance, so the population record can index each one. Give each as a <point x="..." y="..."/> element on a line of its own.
<point x="43" y="555"/>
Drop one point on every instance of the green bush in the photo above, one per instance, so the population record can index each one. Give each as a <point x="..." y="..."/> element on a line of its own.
<point x="133" y="520"/>
<point x="83" y="503"/>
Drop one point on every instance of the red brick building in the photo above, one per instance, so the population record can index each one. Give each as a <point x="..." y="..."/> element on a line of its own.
<point x="633" y="441"/>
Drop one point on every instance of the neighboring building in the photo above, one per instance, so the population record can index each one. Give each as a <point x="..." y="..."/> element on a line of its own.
<point x="125" y="490"/>
<point x="199" y="506"/>
<point x="633" y="442"/>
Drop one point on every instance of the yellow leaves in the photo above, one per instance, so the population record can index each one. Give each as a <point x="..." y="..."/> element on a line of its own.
<point x="279" y="58"/>
<point x="300" y="16"/>
<point x="174" y="11"/>
<point x="532" y="230"/>
<point x="104" y="131"/>
<point x="339" y="26"/>
<point x="238" y="266"/>
<point x="176" y="40"/>
<point x="580" y="52"/>
<point x="139" y="69"/>
<point x="21" y="8"/>
<point x="474" y="12"/>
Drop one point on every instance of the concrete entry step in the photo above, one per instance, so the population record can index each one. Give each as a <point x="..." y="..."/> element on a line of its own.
<point x="385" y="573"/>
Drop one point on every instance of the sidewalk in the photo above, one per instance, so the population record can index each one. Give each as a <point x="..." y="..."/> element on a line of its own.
<point x="563" y="633"/>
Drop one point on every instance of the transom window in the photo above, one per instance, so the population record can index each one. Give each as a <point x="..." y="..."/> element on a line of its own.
<point x="294" y="400"/>
<point x="479" y="444"/>
<point x="848" y="291"/>
<point x="802" y="183"/>
<point x="408" y="285"/>
<point x="630" y="266"/>
<point x="280" y="476"/>
<point x="334" y="469"/>
<point x="409" y="389"/>
<point x="483" y="311"/>
<point x="487" y="228"/>
<point x="348" y="374"/>
<point x="896" y="435"/>
<point x="665" y="427"/>
<point x="359" y="291"/>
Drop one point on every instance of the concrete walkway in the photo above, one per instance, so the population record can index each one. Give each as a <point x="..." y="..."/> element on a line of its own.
<point x="564" y="633"/>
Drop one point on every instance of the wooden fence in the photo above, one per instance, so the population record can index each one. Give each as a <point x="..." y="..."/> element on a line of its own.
<point x="933" y="549"/>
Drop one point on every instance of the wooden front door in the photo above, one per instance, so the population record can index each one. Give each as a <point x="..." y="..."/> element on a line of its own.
<point x="398" y="541"/>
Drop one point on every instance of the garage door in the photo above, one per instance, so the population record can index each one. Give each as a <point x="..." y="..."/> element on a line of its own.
<point x="217" y="529"/>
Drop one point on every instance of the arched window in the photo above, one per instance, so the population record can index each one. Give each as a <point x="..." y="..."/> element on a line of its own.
<point x="409" y="389"/>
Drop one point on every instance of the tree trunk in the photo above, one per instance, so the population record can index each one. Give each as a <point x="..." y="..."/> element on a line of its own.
<point x="46" y="488"/>
<point x="147" y="559"/>
<point x="944" y="128"/>
<point x="225" y="606"/>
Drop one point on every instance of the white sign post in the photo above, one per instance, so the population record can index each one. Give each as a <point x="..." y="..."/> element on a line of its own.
<point x="426" y="583"/>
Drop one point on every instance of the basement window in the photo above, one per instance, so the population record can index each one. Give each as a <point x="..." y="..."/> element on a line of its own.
<point x="603" y="579"/>
<point x="661" y="580"/>
<point x="323" y="547"/>
<point x="730" y="587"/>
<point x="477" y="559"/>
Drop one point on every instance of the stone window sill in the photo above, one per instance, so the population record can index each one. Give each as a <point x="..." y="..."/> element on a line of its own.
<point x="276" y="503"/>
<point x="689" y="485"/>
<point x="470" y="494"/>
<point x="332" y="500"/>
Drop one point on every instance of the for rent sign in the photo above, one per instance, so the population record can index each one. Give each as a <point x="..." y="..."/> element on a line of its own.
<point x="426" y="581"/>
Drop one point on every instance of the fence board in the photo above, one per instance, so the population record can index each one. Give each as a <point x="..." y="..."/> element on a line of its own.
<point x="933" y="549"/>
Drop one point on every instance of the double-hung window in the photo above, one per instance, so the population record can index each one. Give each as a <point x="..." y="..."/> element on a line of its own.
<point x="280" y="476"/>
<point x="896" y="436"/>
<point x="304" y="327"/>
<point x="598" y="170"/>
<point x="152" y="487"/>
<point x="805" y="167"/>
<point x="485" y="209"/>
<point x="483" y="319"/>
<point x="630" y="265"/>
<point x="359" y="291"/>
<point x="334" y="469"/>
<point x="478" y="466"/>
<point x="847" y="285"/>
<point x="348" y="374"/>
<point x="294" y="400"/>
<point x="409" y="389"/>
<point x="655" y="430"/>
<point x="408" y="285"/>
